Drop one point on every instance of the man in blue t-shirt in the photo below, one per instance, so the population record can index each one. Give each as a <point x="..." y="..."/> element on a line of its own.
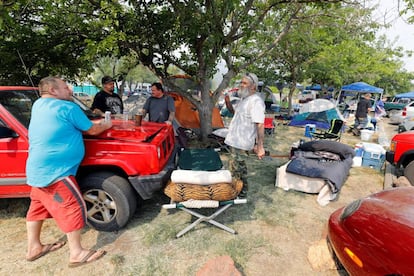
<point x="56" y="150"/>
<point x="159" y="106"/>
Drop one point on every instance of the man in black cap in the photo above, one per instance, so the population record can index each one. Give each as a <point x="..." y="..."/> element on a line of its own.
<point x="106" y="99"/>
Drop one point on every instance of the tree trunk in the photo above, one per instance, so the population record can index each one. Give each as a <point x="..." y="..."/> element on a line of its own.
<point x="205" y="112"/>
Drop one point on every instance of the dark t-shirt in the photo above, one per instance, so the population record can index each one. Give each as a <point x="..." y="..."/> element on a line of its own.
<point x="362" y="108"/>
<point x="108" y="102"/>
<point x="159" y="108"/>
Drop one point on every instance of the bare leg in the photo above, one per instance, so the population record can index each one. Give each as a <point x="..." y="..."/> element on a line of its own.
<point x="77" y="252"/>
<point x="34" y="246"/>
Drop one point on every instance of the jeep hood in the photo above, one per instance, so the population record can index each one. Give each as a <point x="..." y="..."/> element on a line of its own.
<point x="127" y="131"/>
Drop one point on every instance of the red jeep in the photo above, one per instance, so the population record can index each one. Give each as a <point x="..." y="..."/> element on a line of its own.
<point x="400" y="158"/>
<point x="121" y="166"/>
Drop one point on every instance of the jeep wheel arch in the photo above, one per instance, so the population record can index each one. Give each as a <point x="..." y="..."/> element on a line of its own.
<point x="110" y="200"/>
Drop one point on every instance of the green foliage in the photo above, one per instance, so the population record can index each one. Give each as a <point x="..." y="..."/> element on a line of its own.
<point x="322" y="41"/>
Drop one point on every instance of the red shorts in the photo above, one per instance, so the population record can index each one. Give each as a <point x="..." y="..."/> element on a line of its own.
<point x="62" y="201"/>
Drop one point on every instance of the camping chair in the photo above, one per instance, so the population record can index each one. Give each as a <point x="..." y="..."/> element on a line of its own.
<point x="269" y="126"/>
<point x="200" y="167"/>
<point x="333" y="133"/>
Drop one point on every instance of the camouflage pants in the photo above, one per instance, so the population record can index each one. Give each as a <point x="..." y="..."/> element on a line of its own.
<point x="238" y="168"/>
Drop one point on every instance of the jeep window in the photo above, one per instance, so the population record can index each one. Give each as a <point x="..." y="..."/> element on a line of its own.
<point x="86" y="109"/>
<point x="19" y="103"/>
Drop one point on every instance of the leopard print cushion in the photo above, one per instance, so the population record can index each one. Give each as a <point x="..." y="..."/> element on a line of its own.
<point x="220" y="191"/>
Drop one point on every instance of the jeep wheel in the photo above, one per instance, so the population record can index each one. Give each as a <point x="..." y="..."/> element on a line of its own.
<point x="409" y="172"/>
<point x="110" y="200"/>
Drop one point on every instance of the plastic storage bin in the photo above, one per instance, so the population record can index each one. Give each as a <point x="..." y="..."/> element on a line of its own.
<point x="373" y="156"/>
<point x="366" y="134"/>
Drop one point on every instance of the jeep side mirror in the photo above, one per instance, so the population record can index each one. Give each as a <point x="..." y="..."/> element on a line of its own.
<point x="6" y="132"/>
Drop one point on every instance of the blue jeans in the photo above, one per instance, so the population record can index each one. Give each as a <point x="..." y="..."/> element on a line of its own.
<point x="361" y="123"/>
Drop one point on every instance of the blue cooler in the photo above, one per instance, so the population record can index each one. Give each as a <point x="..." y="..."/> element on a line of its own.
<point x="359" y="150"/>
<point x="373" y="155"/>
<point x="309" y="129"/>
<point x="275" y="108"/>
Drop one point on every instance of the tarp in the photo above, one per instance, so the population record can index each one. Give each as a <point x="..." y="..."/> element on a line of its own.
<point x="316" y="105"/>
<point x="409" y="95"/>
<point x="361" y="87"/>
<point x="318" y="112"/>
<point x="187" y="115"/>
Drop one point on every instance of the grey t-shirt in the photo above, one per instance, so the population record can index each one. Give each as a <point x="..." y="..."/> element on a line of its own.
<point x="159" y="108"/>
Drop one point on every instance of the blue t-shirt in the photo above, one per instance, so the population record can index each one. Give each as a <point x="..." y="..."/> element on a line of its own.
<point x="55" y="140"/>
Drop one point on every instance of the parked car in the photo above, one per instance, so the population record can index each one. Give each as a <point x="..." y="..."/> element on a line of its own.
<point x="375" y="235"/>
<point x="400" y="158"/>
<point x="84" y="97"/>
<point x="396" y="105"/>
<point x="398" y="117"/>
<point x="122" y="166"/>
<point x="407" y="124"/>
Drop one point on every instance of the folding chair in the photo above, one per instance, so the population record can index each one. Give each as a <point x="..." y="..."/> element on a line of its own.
<point x="199" y="168"/>
<point x="269" y="126"/>
<point x="333" y="133"/>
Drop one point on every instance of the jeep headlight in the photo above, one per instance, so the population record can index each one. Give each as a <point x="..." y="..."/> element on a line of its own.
<point x="393" y="146"/>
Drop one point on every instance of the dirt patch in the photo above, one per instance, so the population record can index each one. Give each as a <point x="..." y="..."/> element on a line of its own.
<point x="275" y="228"/>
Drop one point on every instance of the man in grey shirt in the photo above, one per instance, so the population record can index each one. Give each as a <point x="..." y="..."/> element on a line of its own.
<point x="159" y="106"/>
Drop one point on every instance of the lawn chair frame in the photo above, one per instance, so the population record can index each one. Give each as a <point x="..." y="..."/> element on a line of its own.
<point x="220" y="207"/>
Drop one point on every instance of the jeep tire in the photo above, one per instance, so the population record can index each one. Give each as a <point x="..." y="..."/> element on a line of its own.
<point x="110" y="200"/>
<point x="409" y="172"/>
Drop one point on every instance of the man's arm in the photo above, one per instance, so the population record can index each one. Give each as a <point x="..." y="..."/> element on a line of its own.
<point x="96" y="105"/>
<point x="228" y="104"/>
<point x="98" y="128"/>
<point x="259" y="148"/>
<point x="170" y="118"/>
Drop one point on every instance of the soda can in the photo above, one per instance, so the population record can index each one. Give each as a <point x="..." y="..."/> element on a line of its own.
<point x="107" y="116"/>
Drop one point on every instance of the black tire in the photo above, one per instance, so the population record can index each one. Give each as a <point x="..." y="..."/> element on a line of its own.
<point x="409" y="172"/>
<point x="110" y="200"/>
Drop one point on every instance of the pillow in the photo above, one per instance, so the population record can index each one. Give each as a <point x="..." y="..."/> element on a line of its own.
<point x="201" y="177"/>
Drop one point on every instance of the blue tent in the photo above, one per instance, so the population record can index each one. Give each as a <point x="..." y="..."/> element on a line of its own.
<point x="320" y="119"/>
<point x="361" y="87"/>
<point x="317" y="87"/>
<point x="405" y="95"/>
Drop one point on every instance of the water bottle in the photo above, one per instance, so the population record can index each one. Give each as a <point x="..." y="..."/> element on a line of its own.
<point x="126" y="116"/>
<point x="107" y="116"/>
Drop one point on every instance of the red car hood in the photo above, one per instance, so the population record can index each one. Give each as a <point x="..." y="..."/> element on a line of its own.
<point x="127" y="131"/>
<point x="383" y="227"/>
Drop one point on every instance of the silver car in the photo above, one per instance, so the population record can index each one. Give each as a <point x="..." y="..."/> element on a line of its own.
<point x="407" y="124"/>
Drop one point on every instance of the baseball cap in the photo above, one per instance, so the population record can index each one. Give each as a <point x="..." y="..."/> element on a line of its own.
<point x="107" y="79"/>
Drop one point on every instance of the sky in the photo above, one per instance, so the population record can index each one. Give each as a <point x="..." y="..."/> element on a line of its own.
<point x="400" y="31"/>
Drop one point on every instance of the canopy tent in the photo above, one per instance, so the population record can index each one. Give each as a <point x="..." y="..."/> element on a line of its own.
<point x="405" y="95"/>
<point x="361" y="87"/>
<point x="355" y="89"/>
